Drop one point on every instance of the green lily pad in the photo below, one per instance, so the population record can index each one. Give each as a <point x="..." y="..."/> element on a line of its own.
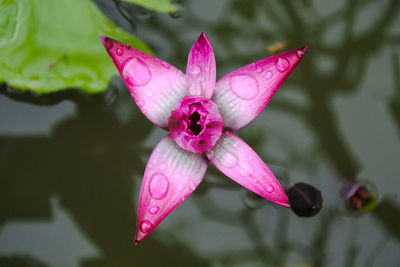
<point x="48" y="45"/>
<point x="157" y="5"/>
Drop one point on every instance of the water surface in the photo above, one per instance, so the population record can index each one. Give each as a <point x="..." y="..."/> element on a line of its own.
<point x="71" y="170"/>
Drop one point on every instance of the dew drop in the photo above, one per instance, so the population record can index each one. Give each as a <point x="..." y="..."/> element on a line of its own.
<point x="163" y="166"/>
<point x="194" y="69"/>
<point x="149" y="165"/>
<point x="146" y="226"/>
<point x="229" y="160"/>
<point x="135" y="72"/>
<point x="235" y="143"/>
<point x="158" y="187"/>
<point x="244" y="86"/>
<point x="282" y="64"/>
<point x="259" y="69"/>
<point x="149" y="94"/>
<point x="154" y="209"/>
<point x="181" y="187"/>
<point x="120" y="52"/>
<point x="247" y="168"/>
<point x="300" y="53"/>
<point x="140" y="103"/>
<point x="269" y="74"/>
<point x="165" y="65"/>
<point x="269" y="188"/>
<point x="108" y="43"/>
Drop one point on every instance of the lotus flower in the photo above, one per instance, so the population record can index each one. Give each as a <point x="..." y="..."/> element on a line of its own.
<point x="200" y="115"/>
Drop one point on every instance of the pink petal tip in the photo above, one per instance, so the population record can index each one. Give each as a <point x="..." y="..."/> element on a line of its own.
<point x="201" y="68"/>
<point x="242" y="94"/>
<point x="171" y="175"/>
<point x="237" y="160"/>
<point x="155" y="85"/>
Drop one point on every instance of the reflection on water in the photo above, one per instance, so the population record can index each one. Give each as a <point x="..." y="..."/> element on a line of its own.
<point x="335" y="119"/>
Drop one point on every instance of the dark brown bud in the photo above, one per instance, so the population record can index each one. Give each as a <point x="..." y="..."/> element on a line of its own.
<point x="305" y="200"/>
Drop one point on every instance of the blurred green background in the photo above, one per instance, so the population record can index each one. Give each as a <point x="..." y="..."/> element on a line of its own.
<point x="71" y="162"/>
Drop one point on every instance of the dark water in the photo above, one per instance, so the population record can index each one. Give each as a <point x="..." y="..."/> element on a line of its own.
<point x="70" y="172"/>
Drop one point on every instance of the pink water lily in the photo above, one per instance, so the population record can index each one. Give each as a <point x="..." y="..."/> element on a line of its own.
<point x="200" y="114"/>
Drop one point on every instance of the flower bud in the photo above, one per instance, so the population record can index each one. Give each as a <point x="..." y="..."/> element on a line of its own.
<point x="305" y="200"/>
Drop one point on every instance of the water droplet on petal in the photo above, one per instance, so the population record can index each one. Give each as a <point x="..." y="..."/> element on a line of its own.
<point x="149" y="94"/>
<point x="146" y="226"/>
<point x="194" y="69"/>
<point x="158" y="187"/>
<point x="120" y="52"/>
<point x="247" y="168"/>
<point x="243" y="108"/>
<point x="165" y="65"/>
<point x="229" y="160"/>
<point x="300" y="53"/>
<point x="269" y="188"/>
<point x="259" y="69"/>
<point x="108" y="43"/>
<point x="269" y="74"/>
<point x="181" y="187"/>
<point x="244" y="86"/>
<point x="149" y="165"/>
<point x="135" y="72"/>
<point x="163" y="166"/>
<point x="154" y="209"/>
<point x="282" y="64"/>
<point x="140" y="103"/>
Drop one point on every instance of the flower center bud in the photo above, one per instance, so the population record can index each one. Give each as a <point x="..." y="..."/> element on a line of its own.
<point x="195" y="124"/>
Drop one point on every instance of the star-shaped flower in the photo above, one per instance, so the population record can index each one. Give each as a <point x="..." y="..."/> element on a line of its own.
<point x="200" y="114"/>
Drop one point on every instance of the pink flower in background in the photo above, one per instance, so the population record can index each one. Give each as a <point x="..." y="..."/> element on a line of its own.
<point x="200" y="114"/>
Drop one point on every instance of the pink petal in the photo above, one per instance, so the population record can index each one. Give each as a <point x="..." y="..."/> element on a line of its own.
<point x="237" y="160"/>
<point x="171" y="175"/>
<point x="242" y="94"/>
<point x="201" y="68"/>
<point x="155" y="85"/>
